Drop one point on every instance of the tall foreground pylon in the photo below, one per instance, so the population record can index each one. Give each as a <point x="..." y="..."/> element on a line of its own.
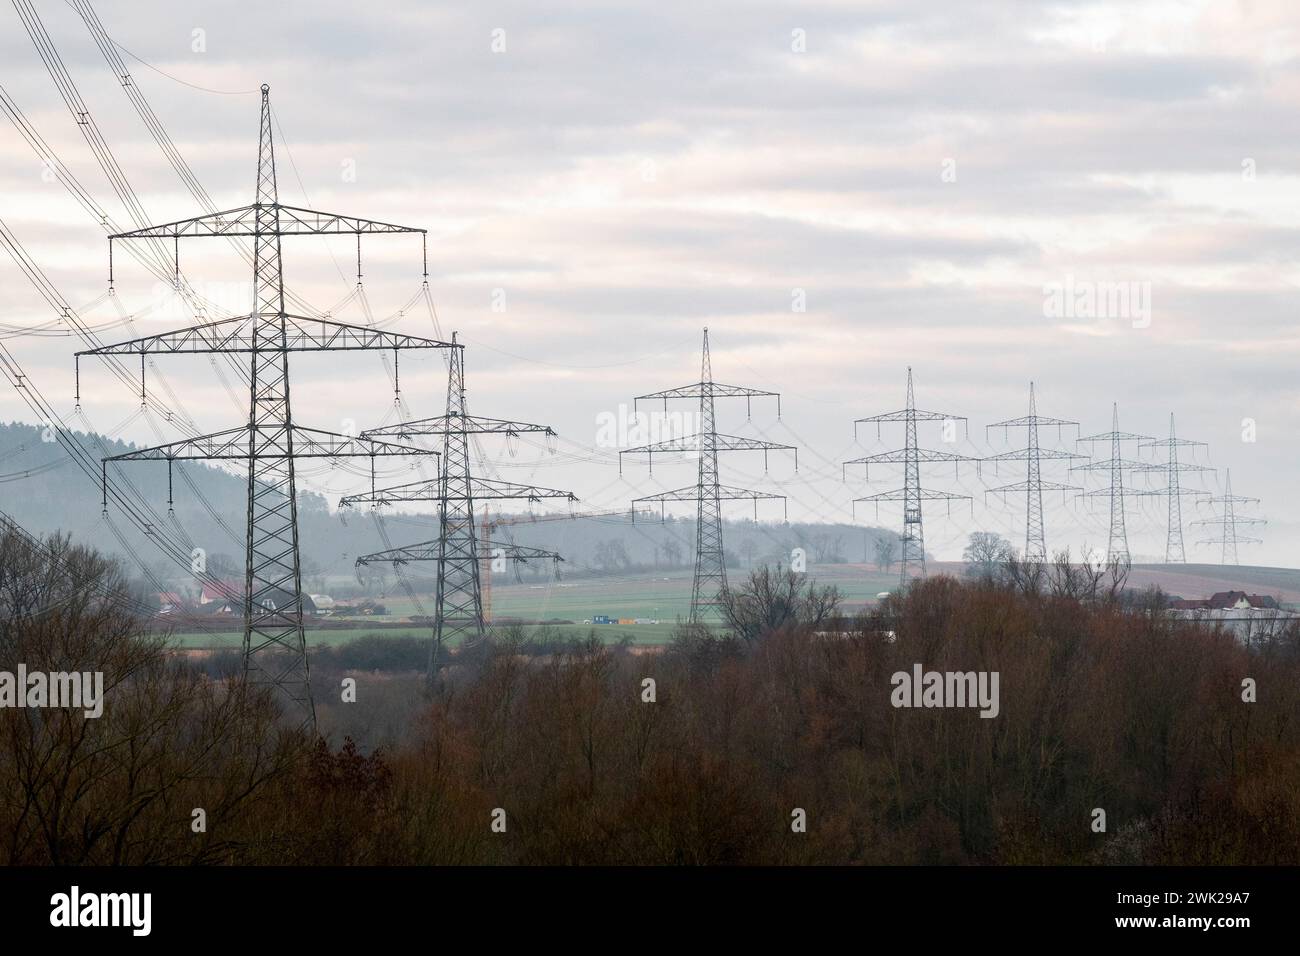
<point x="911" y="455"/>
<point x="709" y="589"/>
<point x="274" y="645"/>
<point x="458" y="612"/>
<point x="1033" y="485"/>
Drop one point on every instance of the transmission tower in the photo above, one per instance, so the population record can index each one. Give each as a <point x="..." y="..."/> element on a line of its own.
<point x="1117" y="542"/>
<point x="708" y="592"/>
<point x="1228" y="521"/>
<point x="459" y="596"/>
<point x="911" y="494"/>
<point x="274" y="645"/>
<point x="1033" y="485"/>
<point x="1173" y="490"/>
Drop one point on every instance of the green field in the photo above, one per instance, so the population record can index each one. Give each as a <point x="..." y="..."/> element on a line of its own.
<point x="223" y="639"/>
<point x="664" y="597"/>
<point x="646" y="634"/>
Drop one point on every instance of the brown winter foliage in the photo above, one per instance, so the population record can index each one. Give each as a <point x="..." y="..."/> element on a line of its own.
<point x="1104" y="704"/>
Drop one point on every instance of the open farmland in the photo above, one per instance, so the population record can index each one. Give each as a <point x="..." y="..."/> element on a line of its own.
<point x="665" y="597"/>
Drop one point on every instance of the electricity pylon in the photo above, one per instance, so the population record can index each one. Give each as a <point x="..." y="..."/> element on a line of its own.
<point x="1228" y="521"/>
<point x="458" y="608"/>
<point x="275" y="650"/>
<point x="911" y="494"/>
<point x="1173" y="490"/>
<point x="1033" y="485"/>
<point x="709" y="589"/>
<point x="1117" y="542"/>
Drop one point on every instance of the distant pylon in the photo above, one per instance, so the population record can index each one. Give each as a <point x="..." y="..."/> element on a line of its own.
<point x="458" y="608"/>
<point x="709" y="588"/>
<point x="1033" y="485"/>
<point x="1228" y="521"/>
<point x="911" y="455"/>
<point x="1117" y="542"/>
<point x="1173" y="490"/>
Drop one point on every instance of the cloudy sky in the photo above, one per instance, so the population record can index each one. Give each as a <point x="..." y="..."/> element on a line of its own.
<point x="1101" y="198"/>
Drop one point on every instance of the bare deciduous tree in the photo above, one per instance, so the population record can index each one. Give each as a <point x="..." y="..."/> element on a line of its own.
<point x="775" y="599"/>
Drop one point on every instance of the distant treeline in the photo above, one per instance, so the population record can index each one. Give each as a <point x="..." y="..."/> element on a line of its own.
<point x="44" y="491"/>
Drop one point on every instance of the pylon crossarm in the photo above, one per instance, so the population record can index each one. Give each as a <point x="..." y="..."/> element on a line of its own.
<point x="926" y="494"/>
<point x="695" y="443"/>
<point x="1026" y="420"/>
<point x="518" y="552"/>
<point x="1126" y="492"/>
<point x="273" y="442"/>
<point x="1025" y="454"/>
<point x="1218" y="522"/>
<point x="915" y="414"/>
<point x="708" y="389"/>
<point x="1030" y="486"/>
<point x="1180" y="491"/>
<point x="456" y="425"/>
<point x="1115" y="436"/>
<point x="1172" y="443"/>
<point x="480" y="489"/>
<point x="428" y="551"/>
<point x="509" y="520"/>
<point x="901" y="454"/>
<point x="290" y="221"/>
<point x="492" y="489"/>
<point x="1125" y="463"/>
<point x="692" y="493"/>
<point x="689" y="443"/>
<point x="725" y="493"/>
<point x="1171" y="466"/>
<point x="302" y="334"/>
<point x="911" y="499"/>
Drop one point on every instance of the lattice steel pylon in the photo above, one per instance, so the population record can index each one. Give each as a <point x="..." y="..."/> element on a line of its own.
<point x="1173" y="470"/>
<point x="1033" y="485"/>
<point x="1228" y="521"/>
<point x="274" y="644"/>
<point x="458" y="611"/>
<point x="1117" y="540"/>
<point x="709" y="587"/>
<point x="911" y="455"/>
